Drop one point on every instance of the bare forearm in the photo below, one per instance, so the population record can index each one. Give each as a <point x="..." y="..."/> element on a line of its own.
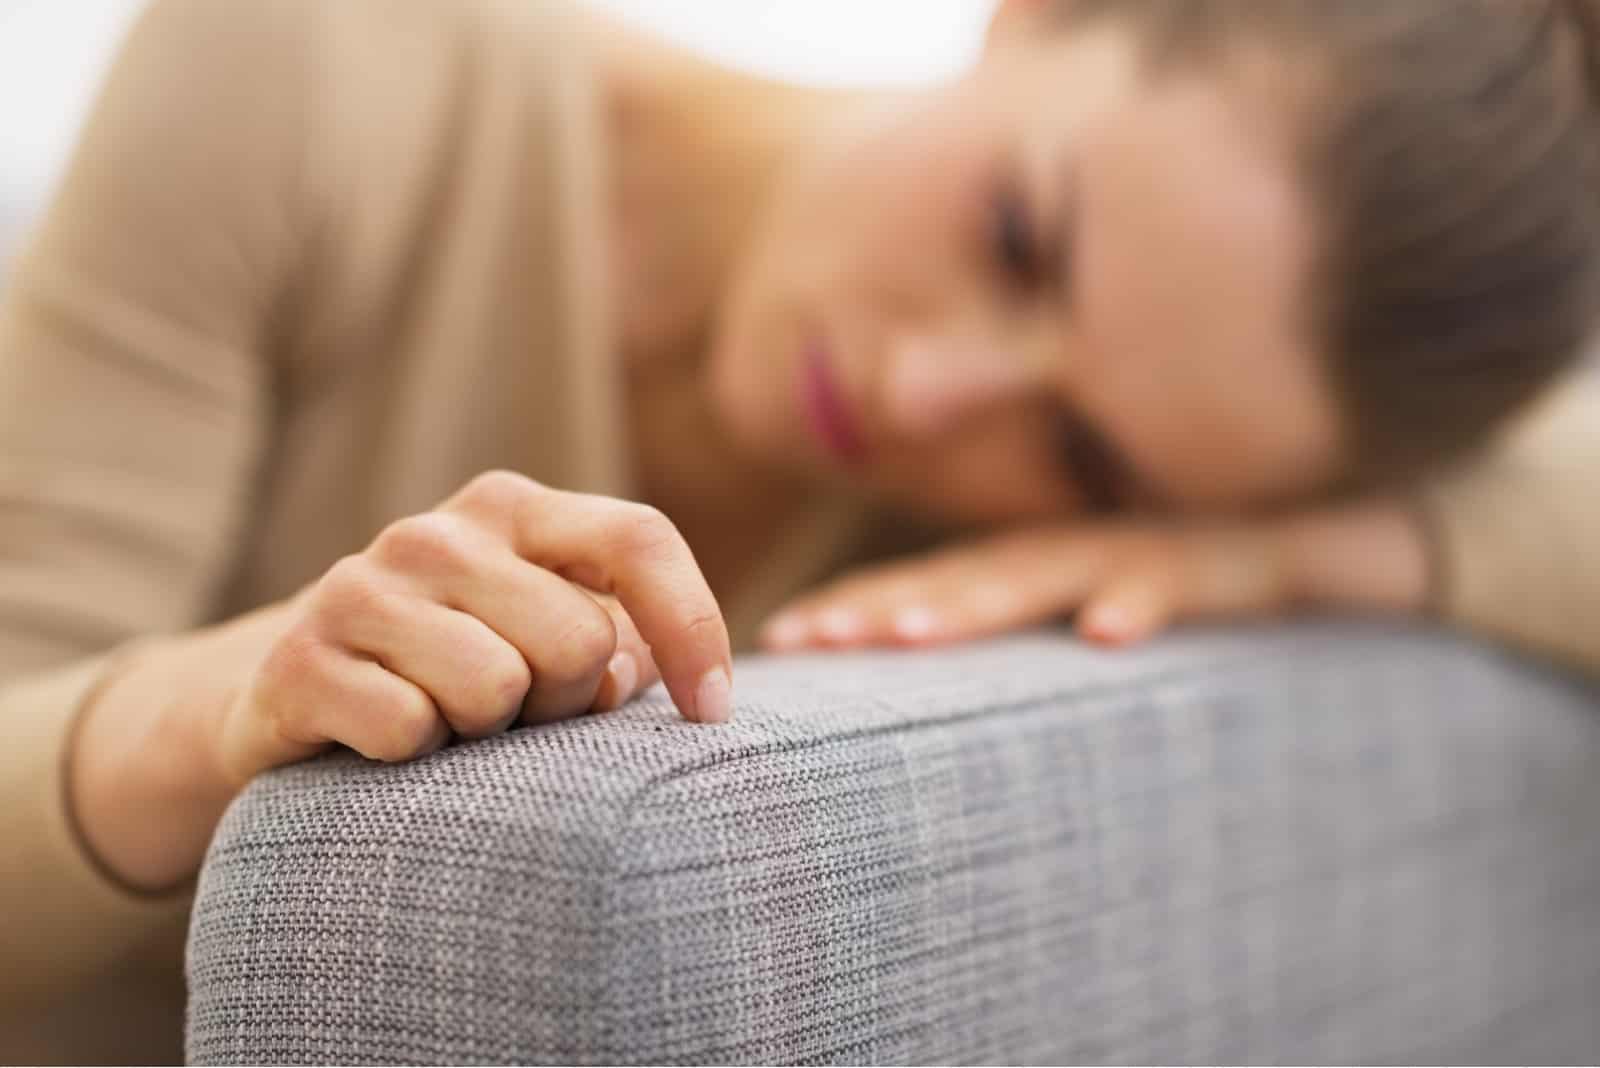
<point x="146" y="788"/>
<point x="1364" y="556"/>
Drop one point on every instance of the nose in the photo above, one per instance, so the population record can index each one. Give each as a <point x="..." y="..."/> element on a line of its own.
<point x="932" y="385"/>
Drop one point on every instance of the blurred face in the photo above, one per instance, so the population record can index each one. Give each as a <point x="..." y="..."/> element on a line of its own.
<point x="1055" y="286"/>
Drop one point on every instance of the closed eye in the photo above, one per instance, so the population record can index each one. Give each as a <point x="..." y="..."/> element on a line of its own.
<point x="1014" y="240"/>
<point x="1033" y="259"/>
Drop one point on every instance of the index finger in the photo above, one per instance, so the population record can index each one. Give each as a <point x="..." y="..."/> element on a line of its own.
<point x="635" y="553"/>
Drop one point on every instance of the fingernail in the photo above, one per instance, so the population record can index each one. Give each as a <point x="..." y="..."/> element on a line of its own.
<point x="914" y="624"/>
<point x="840" y="625"/>
<point x="624" y="672"/>
<point x="785" y="632"/>
<point x="1109" y="623"/>
<point x="713" y="700"/>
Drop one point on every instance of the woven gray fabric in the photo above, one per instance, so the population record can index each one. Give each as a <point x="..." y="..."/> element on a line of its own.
<point x="1319" y="843"/>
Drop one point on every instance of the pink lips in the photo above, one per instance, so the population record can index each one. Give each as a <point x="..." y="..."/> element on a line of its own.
<point x="826" y="408"/>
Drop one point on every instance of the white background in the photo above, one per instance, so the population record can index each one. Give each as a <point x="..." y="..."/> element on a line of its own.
<point x="53" y="51"/>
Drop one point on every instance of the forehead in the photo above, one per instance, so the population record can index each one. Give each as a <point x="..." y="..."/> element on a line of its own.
<point x="1192" y="251"/>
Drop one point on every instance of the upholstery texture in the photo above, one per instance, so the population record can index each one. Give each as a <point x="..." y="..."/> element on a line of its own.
<point x="1319" y="843"/>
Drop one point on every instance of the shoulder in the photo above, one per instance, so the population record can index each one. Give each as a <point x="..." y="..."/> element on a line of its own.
<point x="413" y="91"/>
<point x="348" y="64"/>
<point x="409" y="44"/>
<point x="1559" y="432"/>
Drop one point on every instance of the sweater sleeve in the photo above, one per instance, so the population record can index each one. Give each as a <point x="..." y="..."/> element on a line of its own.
<point x="135" y="404"/>
<point x="1517" y="536"/>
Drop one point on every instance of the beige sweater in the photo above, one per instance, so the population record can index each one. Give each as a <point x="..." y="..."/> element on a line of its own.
<point x="315" y="265"/>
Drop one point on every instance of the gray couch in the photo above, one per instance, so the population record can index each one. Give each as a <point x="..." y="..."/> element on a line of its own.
<point x="1340" y="843"/>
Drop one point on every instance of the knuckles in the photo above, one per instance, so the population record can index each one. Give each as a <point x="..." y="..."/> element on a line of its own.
<point x="641" y="530"/>
<point x="298" y="673"/>
<point x="495" y="684"/>
<point x="432" y="543"/>
<point x="501" y="493"/>
<point x="409" y="727"/>
<point x="298" y="659"/>
<point x="349" y="587"/>
<point x="579" y="650"/>
<point x="305" y="670"/>
<point x="707" y="627"/>
<point x="302" y="676"/>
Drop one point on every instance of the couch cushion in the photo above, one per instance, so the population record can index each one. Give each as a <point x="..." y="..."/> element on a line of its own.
<point x="1319" y="843"/>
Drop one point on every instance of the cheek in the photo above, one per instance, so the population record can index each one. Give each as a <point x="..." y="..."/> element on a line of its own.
<point x="1167" y="430"/>
<point x="1162" y="380"/>
<point x="1206" y="449"/>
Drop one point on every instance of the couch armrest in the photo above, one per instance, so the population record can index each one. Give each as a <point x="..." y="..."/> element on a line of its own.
<point x="1313" y="843"/>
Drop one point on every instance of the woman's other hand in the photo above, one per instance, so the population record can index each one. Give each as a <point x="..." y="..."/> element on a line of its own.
<point x="510" y="602"/>
<point x="1123" y="580"/>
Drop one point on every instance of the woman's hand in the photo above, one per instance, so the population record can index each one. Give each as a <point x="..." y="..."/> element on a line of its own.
<point x="511" y="601"/>
<point x="1124" y="580"/>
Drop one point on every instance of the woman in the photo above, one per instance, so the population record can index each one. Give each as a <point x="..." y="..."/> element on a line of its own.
<point x="1185" y="298"/>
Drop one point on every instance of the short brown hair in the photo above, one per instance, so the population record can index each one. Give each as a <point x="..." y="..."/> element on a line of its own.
<point x="1452" y="153"/>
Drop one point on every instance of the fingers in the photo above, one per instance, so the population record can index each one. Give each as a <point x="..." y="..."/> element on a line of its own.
<point x="475" y="678"/>
<point x="960" y="594"/>
<point x="1222" y="571"/>
<point x="934" y="611"/>
<point x="631" y="669"/>
<point x="380" y="715"/>
<point x="464" y="619"/>
<point x="486" y="635"/>
<point x="1130" y="609"/>
<point x="630" y="551"/>
<point x="1126" y="582"/>
<point x="332" y="697"/>
<point x="514" y="635"/>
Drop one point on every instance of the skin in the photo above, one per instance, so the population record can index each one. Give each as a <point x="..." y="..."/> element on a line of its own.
<point x="866" y="225"/>
<point x="1160" y="304"/>
<point x="1156" y="297"/>
<point x="511" y="602"/>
